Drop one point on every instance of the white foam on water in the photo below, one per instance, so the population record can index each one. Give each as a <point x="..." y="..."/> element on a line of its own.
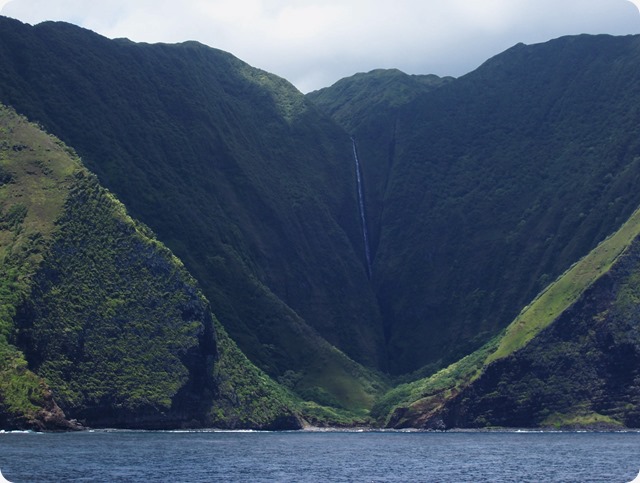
<point x="3" y="479"/>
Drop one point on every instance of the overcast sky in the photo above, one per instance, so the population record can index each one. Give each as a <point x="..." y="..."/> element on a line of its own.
<point x="313" y="43"/>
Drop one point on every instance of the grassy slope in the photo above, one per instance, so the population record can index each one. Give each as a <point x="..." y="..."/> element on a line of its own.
<point x="105" y="315"/>
<point x="247" y="397"/>
<point x="36" y="170"/>
<point x="421" y="402"/>
<point x="498" y="181"/>
<point x="185" y="136"/>
<point x="565" y="291"/>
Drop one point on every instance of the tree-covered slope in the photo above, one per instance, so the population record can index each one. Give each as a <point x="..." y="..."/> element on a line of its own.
<point x="498" y="181"/>
<point x="357" y="100"/>
<point x="367" y="106"/>
<point x="99" y="319"/>
<point x="479" y="191"/>
<point x="570" y="359"/>
<point x="246" y="181"/>
<point x="31" y="198"/>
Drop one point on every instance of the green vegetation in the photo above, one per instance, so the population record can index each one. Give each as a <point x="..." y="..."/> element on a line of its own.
<point x="358" y="100"/>
<point x="247" y="397"/>
<point x="368" y="107"/>
<point x="408" y="405"/>
<point x="111" y="314"/>
<point x="24" y="396"/>
<point x="473" y="211"/>
<point x="234" y="170"/>
<point x="556" y="298"/>
<point x="484" y="189"/>
<point x="109" y="320"/>
<point x="581" y="420"/>
<point x="36" y="171"/>
<point x="579" y="373"/>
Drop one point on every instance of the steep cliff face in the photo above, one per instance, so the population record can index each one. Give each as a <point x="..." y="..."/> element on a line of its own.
<point x="479" y="191"/>
<point x="369" y="106"/>
<point x="240" y="176"/>
<point x="584" y="370"/>
<point x="571" y="359"/>
<point x="496" y="183"/>
<point x="99" y="319"/>
<point x="26" y="401"/>
<point x="35" y="173"/>
<point x="113" y="322"/>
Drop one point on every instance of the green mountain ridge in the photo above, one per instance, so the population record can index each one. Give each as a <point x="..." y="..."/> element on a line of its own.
<point x="109" y="320"/>
<point x="478" y="192"/>
<point x="367" y="106"/>
<point x="569" y="360"/>
<point x="183" y="135"/>
<point x="497" y="182"/>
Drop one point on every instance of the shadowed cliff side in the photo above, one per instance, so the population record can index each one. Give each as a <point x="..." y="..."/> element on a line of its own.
<point x="241" y="177"/>
<point x="98" y="318"/>
<point x="497" y="182"/>
<point x="571" y="359"/>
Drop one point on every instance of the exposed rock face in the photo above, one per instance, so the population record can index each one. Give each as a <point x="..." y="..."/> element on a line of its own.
<point x="52" y="418"/>
<point x="48" y="418"/>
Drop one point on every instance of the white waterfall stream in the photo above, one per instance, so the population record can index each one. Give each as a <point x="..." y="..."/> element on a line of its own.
<point x="363" y="218"/>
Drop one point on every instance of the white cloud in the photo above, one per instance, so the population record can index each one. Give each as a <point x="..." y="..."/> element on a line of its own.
<point x="315" y="42"/>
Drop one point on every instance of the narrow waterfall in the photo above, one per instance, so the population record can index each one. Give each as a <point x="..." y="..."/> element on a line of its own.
<point x="363" y="218"/>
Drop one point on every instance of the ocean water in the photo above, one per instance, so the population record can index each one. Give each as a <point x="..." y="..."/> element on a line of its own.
<point x="320" y="456"/>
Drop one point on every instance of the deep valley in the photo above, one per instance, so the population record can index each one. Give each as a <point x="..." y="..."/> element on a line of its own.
<point x="189" y="241"/>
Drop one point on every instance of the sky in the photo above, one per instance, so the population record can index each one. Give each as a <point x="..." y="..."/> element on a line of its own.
<point x="314" y="43"/>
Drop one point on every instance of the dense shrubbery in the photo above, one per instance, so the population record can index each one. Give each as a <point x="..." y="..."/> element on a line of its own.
<point x="570" y="359"/>
<point x="30" y="165"/>
<point x="109" y="320"/>
<point x="111" y="314"/>
<point x="480" y="191"/>
<point x="497" y="182"/>
<point x="236" y="172"/>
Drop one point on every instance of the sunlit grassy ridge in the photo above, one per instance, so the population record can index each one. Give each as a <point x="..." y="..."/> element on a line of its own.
<point x="410" y="404"/>
<point x="235" y="171"/>
<point x="401" y="406"/>
<point x="97" y="313"/>
<point x="558" y="296"/>
<point x="36" y="171"/>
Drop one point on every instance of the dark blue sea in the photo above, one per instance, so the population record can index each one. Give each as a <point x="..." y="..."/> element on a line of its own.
<point x="319" y="456"/>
